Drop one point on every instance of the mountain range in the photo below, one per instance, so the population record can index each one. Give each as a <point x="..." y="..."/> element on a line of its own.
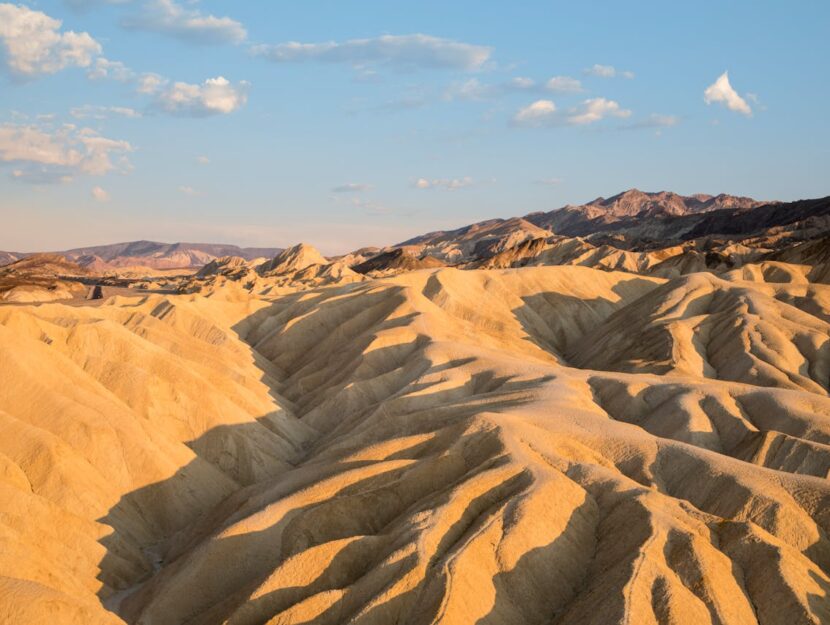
<point x="152" y="254"/>
<point x="633" y="220"/>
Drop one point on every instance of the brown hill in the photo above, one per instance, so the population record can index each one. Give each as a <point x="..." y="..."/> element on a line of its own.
<point x="41" y="277"/>
<point x="596" y="216"/>
<point x="395" y="261"/>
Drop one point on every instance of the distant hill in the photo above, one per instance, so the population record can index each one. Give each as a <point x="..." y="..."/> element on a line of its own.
<point x="485" y="239"/>
<point x="602" y="213"/>
<point x="162" y="255"/>
<point x="99" y="258"/>
<point x="7" y="258"/>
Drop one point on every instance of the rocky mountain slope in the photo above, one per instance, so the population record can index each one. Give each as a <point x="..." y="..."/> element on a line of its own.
<point x="663" y="233"/>
<point x="622" y="212"/>
<point x="599" y="214"/>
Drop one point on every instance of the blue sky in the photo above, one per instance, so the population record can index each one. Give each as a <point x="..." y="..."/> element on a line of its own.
<point x="363" y="123"/>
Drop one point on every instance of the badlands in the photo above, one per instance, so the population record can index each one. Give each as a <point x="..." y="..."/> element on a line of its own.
<point x="616" y="414"/>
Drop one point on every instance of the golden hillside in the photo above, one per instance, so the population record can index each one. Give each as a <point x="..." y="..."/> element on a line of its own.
<point x="537" y="445"/>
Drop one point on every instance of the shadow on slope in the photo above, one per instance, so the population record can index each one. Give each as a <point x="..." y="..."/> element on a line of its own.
<point x="385" y="457"/>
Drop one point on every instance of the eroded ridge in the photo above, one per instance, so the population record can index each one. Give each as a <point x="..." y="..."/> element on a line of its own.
<point x="541" y="445"/>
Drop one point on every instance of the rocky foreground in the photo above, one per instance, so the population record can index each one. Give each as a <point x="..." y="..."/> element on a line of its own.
<point x="533" y="445"/>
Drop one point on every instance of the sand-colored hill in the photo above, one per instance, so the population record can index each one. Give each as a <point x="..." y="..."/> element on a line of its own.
<point x="293" y="259"/>
<point x="589" y="447"/>
<point x="41" y="278"/>
<point x="300" y="267"/>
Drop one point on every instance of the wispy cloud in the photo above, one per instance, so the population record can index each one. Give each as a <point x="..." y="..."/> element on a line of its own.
<point x="90" y="111"/>
<point x="33" y="44"/>
<point x="169" y="18"/>
<point x="150" y="83"/>
<point x="214" y="96"/>
<point x="351" y="187"/>
<point x="539" y="113"/>
<point x="563" y="84"/>
<point x="371" y="207"/>
<point x="474" y="89"/>
<point x="607" y="71"/>
<point x="401" y="51"/>
<point x="85" y="5"/>
<point x="655" y="120"/>
<point x="721" y="91"/>
<point x="594" y="110"/>
<point x="448" y="184"/>
<point x="60" y="154"/>
<point x="99" y="195"/>
<point x="545" y="113"/>
<point x="203" y="160"/>
<point x="104" y="69"/>
<point x="189" y="191"/>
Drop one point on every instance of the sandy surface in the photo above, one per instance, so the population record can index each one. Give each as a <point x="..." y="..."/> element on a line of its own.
<point x="539" y="445"/>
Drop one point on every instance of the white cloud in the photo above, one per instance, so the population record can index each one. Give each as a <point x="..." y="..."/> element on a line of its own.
<point x="563" y="84"/>
<point x="545" y="113"/>
<point x="721" y="91"/>
<point x="168" y="18"/>
<point x="59" y="154"/>
<point x="213" y="96"/>
<point x="351" y="187"/>
<point x="607" y="71"/>
<point x="189" y="191"/>
<point x="538" y="113"/>
<point x="99" y="195"/>
<point x="594" y="110"/>
<point x="408" y="51"/>
<point x="89" y="111"/>
<point x="33" y="44"/>
<point x="113" y="70"/>
<point x="149" y="84"/>
<point x="450" y="184"/>
<point x="203" y="160"/>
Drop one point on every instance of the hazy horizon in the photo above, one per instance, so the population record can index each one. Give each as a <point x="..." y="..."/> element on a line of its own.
<point x="333" y="251"/>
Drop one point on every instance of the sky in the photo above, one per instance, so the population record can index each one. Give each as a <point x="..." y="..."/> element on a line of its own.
<point x="345" y="124"/>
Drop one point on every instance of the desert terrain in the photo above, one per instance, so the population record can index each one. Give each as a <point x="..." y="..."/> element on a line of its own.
<point x="616" y="412"/>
